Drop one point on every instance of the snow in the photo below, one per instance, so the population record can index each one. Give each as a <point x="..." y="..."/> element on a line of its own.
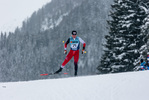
<point x="145" y="9"/>
<point x="14" y="12"/>
<point x="131" y="15"/>
<point x="45" y="24"/>
<point x="126" y="25"/>
<point x="60" y="19"/>
<point x="146" y="25"/>
<point x="117" y="66"/>
<point x="121" y="55"/>
<point x="144" y="47"/>
<point x="132" y="45"/>
<point x="123" y="86"/>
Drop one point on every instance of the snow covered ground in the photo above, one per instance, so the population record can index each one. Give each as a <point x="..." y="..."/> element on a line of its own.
<point x="123" y="86"/>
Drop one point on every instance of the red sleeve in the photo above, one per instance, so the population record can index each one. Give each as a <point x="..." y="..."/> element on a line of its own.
<point x="84" y="44"/>
<point x="65" y="46"/>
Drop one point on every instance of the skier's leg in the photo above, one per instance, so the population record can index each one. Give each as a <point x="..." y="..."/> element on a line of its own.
<point x="76" y="58"/>
<point x="76" y="68"/>
<point x="67" y="59"/>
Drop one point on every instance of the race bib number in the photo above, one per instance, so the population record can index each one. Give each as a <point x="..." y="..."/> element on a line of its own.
<point x="74" y="46"/>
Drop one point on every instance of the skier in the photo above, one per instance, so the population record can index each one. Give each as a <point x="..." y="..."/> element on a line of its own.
<point x="74" y="51"/>
<point x="142" y="64"/>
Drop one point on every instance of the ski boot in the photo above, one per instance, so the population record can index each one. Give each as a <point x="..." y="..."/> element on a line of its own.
<point x="58" y="71"/>
<point x="75" y="74"/>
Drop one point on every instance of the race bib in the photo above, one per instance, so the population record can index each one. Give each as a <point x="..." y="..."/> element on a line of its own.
<point x="74" y="46"/>
<point x="74" y="43"/>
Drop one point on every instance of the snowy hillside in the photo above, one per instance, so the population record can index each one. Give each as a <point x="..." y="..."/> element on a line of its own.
<point x="123" y="86"/>
<point x="37" y="46"/>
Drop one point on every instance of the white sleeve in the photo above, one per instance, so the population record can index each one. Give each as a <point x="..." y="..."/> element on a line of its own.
<point x="82" y="41"/>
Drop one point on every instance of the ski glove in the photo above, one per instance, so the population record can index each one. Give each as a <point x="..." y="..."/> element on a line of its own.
<point x="65" y="51"/>
<point x="83" y="51"/>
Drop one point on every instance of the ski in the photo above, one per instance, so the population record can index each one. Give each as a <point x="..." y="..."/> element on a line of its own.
<point x="46" y="74"/>
<point x="51" y="74"/>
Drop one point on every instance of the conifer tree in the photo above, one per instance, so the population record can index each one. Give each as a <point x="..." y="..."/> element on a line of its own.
<point x="144" y="49"/>
<point x="124" y="39"/>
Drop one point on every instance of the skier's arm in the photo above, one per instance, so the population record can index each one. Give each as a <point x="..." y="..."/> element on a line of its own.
<point x="82" y="41"/>
<point x="65" y="46"/>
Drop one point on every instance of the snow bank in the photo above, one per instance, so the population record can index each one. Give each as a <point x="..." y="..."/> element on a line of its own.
<point x="123" y="86"/>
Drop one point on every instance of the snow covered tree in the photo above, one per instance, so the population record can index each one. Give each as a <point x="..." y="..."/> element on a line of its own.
<point x="145" y="32"/>
<point x="124" y="39"/>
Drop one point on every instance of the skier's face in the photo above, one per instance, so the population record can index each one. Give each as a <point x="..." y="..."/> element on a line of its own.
<point x="74" y="36"/>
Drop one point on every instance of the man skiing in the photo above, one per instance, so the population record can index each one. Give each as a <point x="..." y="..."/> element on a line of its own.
<point x="74" y="51"/>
